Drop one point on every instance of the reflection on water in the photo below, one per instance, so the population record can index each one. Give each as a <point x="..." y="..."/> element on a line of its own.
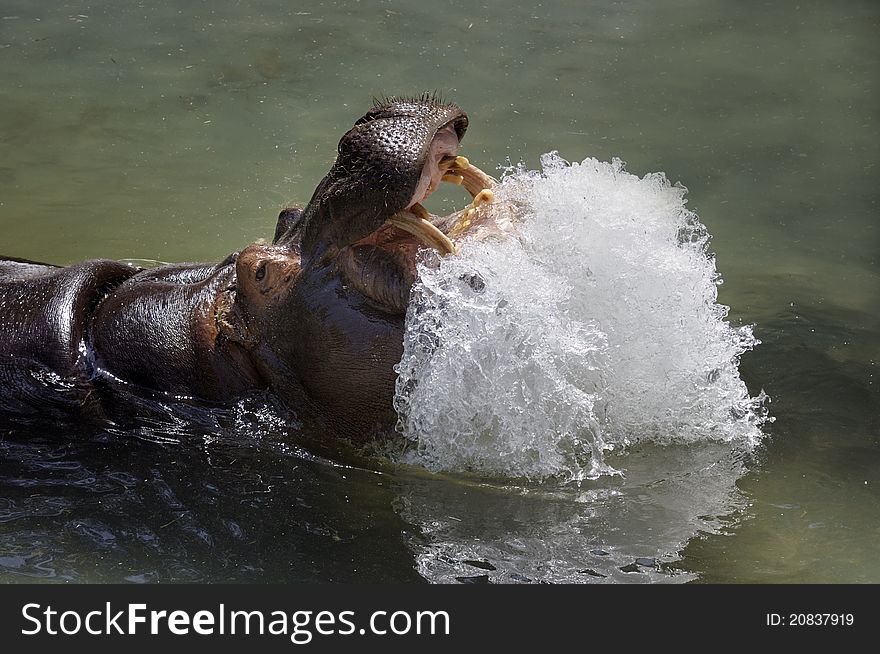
<point x="114" y="507"/>
<point x="174" y="131"/>
<point x="145" y="505"/>
<point x="623" y="529"/>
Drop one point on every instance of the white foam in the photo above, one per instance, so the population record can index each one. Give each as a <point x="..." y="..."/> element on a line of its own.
<point x="597" y="326"/>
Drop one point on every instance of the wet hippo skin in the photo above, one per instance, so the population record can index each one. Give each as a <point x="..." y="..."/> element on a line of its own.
<point x="316" y="317"/>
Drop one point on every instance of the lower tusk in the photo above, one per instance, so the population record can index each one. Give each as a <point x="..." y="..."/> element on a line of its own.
<point x="422" y="229"/>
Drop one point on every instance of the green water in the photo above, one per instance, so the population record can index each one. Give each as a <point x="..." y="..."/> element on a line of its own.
<point x="174" y="131"/>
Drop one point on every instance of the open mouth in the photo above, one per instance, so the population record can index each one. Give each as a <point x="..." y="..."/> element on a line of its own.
<point x="418" y="221"/>
<point x="383" y="265"/>
<point x="442" y="165"/>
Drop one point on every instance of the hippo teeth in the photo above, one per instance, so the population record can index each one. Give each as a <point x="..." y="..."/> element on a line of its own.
<point x="464" y="222"/>
<point x="458" y="170"/>
<point x="416" y="223"/>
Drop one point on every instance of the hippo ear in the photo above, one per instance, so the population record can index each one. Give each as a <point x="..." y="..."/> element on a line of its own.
<point x="289" y="227"/>
<point x="230" y="320"/>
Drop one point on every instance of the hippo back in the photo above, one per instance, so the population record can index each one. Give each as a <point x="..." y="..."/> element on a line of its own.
<point x="44" y="315"/>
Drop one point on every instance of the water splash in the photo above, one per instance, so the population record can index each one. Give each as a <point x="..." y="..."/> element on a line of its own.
<point x="597" y="326"/>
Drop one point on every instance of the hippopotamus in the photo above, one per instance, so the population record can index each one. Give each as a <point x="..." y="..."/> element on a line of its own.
<point x="316" y="317"/>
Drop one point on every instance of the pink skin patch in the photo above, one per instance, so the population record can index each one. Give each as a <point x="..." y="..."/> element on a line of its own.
<point x="445" y="144"/>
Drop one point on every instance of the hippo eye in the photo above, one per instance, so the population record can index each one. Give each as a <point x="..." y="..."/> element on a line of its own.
<point x="261" y="272"/>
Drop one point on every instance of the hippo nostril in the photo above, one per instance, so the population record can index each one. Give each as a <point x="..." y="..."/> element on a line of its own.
<point x="261" y="272"/>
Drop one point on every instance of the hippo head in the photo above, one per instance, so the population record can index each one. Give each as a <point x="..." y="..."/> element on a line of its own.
<point x="321" y="310"/>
